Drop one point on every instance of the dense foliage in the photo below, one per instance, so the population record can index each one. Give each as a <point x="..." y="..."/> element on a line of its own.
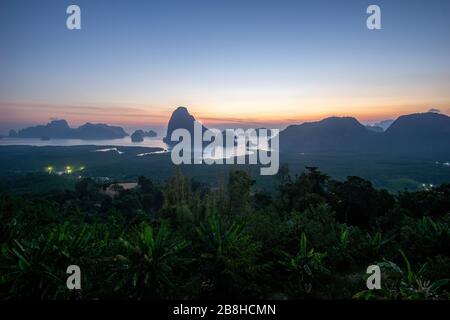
<point x="313" y="237"/>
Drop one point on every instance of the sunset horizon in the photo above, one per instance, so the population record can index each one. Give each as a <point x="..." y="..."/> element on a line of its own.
<point x="139" y="117"/>
<point x="264" y="65"/>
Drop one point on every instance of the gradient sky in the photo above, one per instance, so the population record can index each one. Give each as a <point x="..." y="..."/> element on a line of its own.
<point x="229" y="61"/>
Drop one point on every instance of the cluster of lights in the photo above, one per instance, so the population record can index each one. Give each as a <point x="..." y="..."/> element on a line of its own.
<point x="67" y="169"/>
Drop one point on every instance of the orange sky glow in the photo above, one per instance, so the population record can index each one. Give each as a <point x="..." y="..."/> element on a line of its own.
<point x="254" y="115"/>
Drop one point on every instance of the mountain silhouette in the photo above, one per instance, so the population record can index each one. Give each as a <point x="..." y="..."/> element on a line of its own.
<point x="139" y="135"/>
<point x="415" y="134"/>
<point x="90" y="131"/>
<point x="54" y="129"/>
<point x="420" y="126"/>
<point x="330" y="134"/>
<point x="60" y="129"/>
<point x="180" y="119"/>
<point x="419" y="133"/>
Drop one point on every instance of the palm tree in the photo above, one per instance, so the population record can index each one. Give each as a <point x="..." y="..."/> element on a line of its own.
<point x="404" y="284"/>
<point x="146" y="266"/>
<point x="37" y="268"/>
<point x="228" y="257"/>
<point x="26" y="273"/>
<point x="303" y="268"/>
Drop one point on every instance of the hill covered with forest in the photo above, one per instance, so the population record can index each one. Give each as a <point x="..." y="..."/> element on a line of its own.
<point x="179" y="239"/>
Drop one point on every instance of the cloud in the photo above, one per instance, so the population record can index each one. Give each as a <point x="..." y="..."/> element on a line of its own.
<point x="434" y="110"/>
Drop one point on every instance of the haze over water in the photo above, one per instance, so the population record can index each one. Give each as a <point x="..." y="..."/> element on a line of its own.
<point x="125" y="142"/>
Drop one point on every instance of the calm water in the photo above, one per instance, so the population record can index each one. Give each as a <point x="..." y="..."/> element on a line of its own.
<point x="125" y="142"/>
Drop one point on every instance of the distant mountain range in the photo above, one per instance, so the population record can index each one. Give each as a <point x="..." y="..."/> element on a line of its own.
<point x="418" y="133"/>
<point x="59" y="129"/>
<point x="375" y="128"/>
<point x="414" y="134"/>
<point x="421" y="133"/>
<point x="384" y="124"/>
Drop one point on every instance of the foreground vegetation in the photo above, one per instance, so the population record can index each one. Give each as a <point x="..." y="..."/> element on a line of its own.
<point x="311" y="239"/>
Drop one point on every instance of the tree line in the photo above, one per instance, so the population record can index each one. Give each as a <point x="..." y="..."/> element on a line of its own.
<point x="311" y="237"/>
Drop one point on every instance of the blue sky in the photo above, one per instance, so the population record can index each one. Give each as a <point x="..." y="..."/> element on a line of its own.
<point x="228" y="61"/>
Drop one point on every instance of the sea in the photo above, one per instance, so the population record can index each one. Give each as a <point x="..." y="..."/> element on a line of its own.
<point x="124" y="142"/>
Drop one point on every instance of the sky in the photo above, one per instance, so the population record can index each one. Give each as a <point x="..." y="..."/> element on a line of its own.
<point x="230" y="62"/>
